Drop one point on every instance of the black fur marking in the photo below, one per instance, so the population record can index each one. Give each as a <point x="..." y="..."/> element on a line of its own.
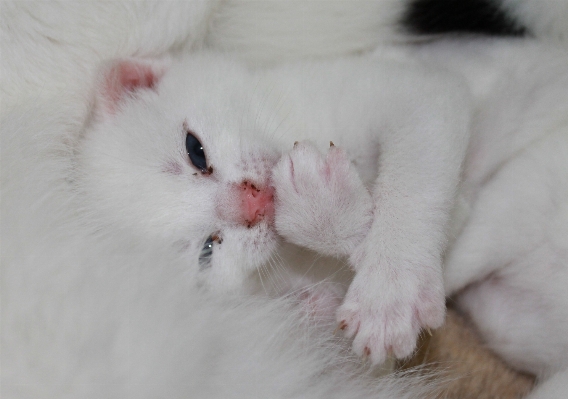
<point x="484" y="17"/>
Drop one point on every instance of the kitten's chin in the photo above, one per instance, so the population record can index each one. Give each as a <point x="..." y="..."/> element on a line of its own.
<point x="226" y="285"/>
<point x="243" y="254"/>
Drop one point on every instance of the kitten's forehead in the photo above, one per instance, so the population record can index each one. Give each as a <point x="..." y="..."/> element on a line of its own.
<point x="218" y="93"/>
<point x="208" y="83"/>
<point x="220" y="103"/>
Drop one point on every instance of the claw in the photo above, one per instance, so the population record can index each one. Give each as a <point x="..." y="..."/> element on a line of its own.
<point x="331" y="144"/>
<point x="429" y="331"/>
<point x="340" y="326"/>
<point x="295" y="144"/>
<point x="366" y="354"/>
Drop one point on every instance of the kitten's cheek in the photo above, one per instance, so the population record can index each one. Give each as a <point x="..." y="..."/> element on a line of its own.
<point x="219" y="281"/>
<point x="241" y="254"/>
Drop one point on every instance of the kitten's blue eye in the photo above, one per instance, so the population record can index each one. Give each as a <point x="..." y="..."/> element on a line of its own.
<point x="196" y="153"/>
<point x="207" y="251"/>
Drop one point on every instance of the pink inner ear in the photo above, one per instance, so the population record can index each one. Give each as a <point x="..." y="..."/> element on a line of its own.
<point x="127" y="77"/>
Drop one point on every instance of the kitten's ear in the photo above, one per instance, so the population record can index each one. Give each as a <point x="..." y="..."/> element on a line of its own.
<point x="122" y="78"/>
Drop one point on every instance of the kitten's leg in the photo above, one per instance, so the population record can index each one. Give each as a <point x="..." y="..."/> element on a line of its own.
<point x="321" y="204"/>
<point x="324" y="206"/>
<point x="422" y="131"/>
<point x="421" y="127"/>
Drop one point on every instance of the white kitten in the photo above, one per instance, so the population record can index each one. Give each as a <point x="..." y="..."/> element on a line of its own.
<point x="94" y="312"/>
<point x="183" y="153"/>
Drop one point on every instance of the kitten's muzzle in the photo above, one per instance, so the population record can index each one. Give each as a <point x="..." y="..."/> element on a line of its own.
<point x="247" y="204"/>
<point x="256" y="204"/>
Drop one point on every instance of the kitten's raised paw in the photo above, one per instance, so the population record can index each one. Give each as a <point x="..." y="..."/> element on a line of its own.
<point x="385" y="322"/>
<point x="321" y="203"/>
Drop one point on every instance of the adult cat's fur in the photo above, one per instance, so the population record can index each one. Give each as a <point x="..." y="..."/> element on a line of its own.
<point x="50" y="46"/>
<point x="508" y="265"/>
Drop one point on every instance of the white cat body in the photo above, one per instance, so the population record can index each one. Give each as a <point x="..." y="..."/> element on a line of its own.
<point x="515" y="246"/>
<point x="508" y="264"/>
<point x="54" y="46"/>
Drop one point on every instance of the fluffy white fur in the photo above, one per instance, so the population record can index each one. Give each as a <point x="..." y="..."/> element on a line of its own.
<point x="380" y="113"/>
<point x="85" y="310"/>
<point x="50" y="46"/>
<point x="56" y="46"/>
<point x="284" y="31"/>
<point x="90" y="314"/>
<point x="35" y="206"/>
<point x="320" y="201"/>
<point x="507" y="266"/>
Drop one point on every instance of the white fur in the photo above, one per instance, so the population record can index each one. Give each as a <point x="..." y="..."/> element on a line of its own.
<point x="414" y="119"/>
<point x="276" y="31"/>
<point x="265" y="32"/>
<point x="30" y="34"/>
<point x="547" y="19"/>
<point x="508" y="266"/>
<point x="417" y="146"/>
<point x="116" y="199"/>
<point x="90" y="314"/>
<point x="52" y="46"/>
<point x="49" y="46"/>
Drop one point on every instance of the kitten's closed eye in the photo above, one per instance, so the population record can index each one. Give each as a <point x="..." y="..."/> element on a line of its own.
<point x="196" y="153"/>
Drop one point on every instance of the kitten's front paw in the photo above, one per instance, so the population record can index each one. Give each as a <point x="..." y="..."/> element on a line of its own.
<point x="385" y="313"/>
<point x="321" y="203"/>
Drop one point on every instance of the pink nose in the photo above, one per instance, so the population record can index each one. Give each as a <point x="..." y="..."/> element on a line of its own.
<point x="256" y="204"/>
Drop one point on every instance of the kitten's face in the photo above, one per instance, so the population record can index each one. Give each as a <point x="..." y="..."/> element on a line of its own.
<point x="174" y="155"/>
